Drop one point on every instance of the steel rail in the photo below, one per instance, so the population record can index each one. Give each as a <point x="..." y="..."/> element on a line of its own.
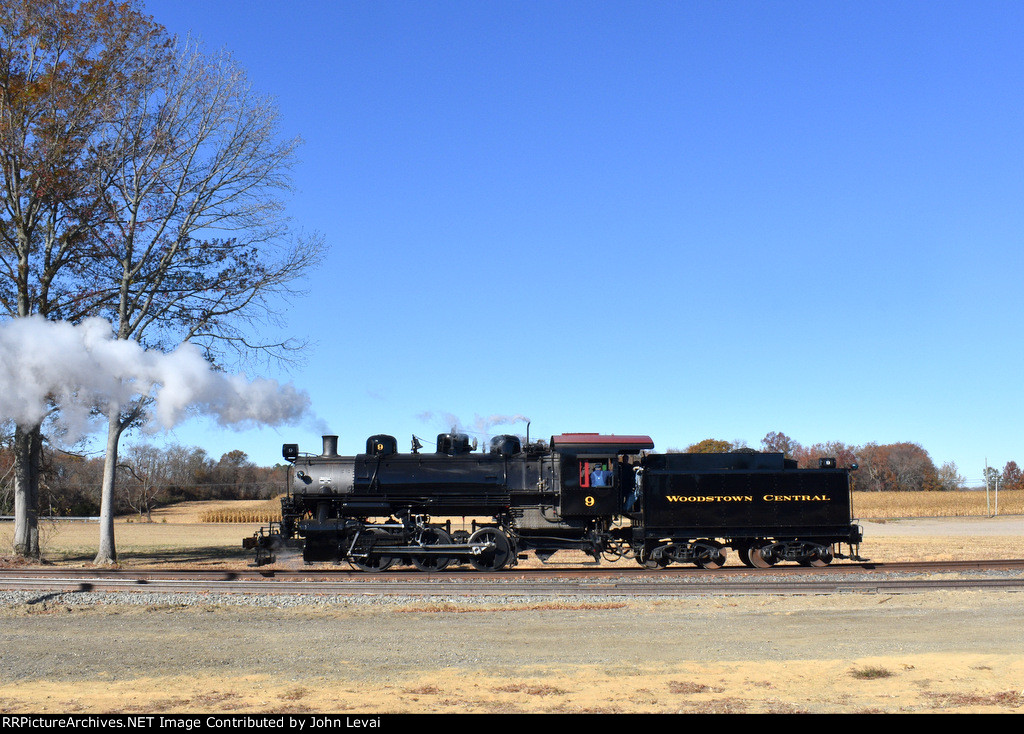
<point x="437" y="586"/>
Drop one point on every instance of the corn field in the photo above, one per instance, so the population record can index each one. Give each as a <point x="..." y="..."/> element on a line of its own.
<point x="269" y="511"/>
<point x="870" y="505"/>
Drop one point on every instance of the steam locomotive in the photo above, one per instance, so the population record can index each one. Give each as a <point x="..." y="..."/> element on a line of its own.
<point x="609" y="496"/>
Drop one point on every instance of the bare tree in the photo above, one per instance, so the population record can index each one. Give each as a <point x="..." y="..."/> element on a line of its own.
<point x="187" y="466"/>
<point x="950" y="478"/>
<point x="63" y="65"/>
<point x="901" y="466"/>
<point x="912" y="467"/>
<point x="148" y="467"/>
<point x="141" y="180"/>
<point x="195" y="245"/>
<point x="779" y="442"/>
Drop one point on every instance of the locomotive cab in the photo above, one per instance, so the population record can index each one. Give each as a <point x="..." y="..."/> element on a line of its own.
<point x="591" y="484"/>
<point x="595" y="471"/>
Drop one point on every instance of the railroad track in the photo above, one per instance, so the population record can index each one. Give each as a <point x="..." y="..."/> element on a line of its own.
<point x="520" y="589"/>
<point x="624" y="582"/>
<point x="334" y="572"/>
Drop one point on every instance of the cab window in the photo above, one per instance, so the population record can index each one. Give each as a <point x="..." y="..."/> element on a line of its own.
<point x="596" y="473"/>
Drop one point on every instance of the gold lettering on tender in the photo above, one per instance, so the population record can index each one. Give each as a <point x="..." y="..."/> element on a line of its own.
<point x="710" y="498"/>
<point x="796" y="498"/>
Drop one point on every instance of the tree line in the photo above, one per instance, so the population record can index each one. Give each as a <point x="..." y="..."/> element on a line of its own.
<point x="902" y="466"/>
<point x="149" y="477"/>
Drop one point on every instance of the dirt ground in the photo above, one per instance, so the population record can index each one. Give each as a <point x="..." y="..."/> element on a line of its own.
<point x="939" y="651"/>
<point x="935" y="651"/>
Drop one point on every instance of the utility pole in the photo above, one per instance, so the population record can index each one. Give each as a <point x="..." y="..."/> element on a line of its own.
<point x="997" y="496"/>
<point x="988" y="506"/>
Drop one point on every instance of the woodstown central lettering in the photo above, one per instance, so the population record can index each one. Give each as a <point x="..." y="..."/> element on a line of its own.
<point x="711" y="498"/>
<point x="748" y="498"/>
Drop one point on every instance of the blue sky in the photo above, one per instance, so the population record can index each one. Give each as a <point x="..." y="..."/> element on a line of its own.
<point x="682" y="219"/>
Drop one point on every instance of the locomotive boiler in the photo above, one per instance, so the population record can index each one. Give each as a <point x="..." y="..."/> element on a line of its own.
<point x="608" y="496"/>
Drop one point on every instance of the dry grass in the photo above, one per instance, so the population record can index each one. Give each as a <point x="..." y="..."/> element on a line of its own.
<point x="142" y="544"/>
<point x="931" y="684"/>
<point x="1001" y="700"/>
<point x="456" y="608"/>
<point x="883" y="505"/>
<point x="871" y="672"/>
<point x="532" y="689"/>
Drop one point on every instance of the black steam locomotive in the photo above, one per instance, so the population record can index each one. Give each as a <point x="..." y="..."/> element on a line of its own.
<point x="605" y="495"/>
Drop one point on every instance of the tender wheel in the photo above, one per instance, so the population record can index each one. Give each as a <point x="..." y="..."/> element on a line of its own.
<point x="644" y="559"/>
<point x="744" y="555"/>
<point x="821" y="557"/>
<point x="362" y="555"/>
<point x="759" y="559"/>
<point x="433" y="536"/>
<point x="712" y="554"/>
<point x="496" y="555"/>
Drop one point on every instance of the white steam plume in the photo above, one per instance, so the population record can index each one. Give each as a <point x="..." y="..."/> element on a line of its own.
<point x="485" y="424"/>
<point x="479" y="425"/>
<point x="82" y="368"/>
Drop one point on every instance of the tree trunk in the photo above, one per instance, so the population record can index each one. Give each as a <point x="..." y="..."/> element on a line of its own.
<point x="107" y="554"/>
<point x="27" y="461"/>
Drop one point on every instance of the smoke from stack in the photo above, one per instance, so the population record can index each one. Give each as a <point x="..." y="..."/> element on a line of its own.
<point x="82" y="368"/>
<point x="481" y="425"/>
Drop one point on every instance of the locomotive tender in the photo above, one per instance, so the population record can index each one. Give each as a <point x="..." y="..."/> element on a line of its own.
<point x="606" y="495"/>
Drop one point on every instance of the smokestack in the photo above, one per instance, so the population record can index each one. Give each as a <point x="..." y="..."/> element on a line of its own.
<point x="330" y="446"/>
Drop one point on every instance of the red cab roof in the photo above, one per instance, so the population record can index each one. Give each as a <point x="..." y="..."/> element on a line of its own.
<point x="598" y="442"/>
